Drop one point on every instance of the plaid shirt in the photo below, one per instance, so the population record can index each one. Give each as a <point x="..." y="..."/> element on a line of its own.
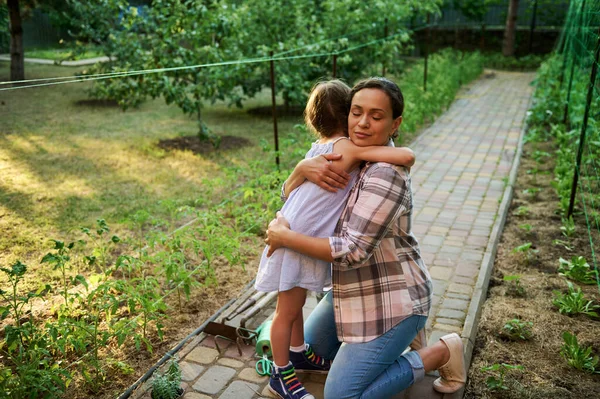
<point x="379" y="278"/>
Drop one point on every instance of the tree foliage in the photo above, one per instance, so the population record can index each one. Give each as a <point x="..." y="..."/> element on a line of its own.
<point x="180" y="33"/>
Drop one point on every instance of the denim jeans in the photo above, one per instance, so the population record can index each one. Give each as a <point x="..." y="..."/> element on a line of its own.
<point x="374" y="369"/>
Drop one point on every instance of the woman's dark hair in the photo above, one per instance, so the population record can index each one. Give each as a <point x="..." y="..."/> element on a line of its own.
<point x="327" y="109"/>
<point x="388" y="87"/>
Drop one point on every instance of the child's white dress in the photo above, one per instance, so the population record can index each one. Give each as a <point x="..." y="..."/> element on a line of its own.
<point x="312" y="211"/>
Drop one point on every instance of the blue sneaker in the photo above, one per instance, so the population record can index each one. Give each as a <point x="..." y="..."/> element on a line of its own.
<point x="309" y="362"/>
<point x="285" y="384"/>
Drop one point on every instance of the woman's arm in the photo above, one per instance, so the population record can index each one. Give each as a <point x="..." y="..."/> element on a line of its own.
<point x="279" y="235"/>
<point x="319" y="171"/>
<point x="384" y="196"/>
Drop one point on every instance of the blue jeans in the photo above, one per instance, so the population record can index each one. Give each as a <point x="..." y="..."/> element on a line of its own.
<point x="374" y="369"/>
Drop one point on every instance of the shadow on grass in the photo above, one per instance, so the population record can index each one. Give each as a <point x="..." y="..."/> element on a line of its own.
<point x="202" y="147"/>
<point x="98" y="188"/>
<point x="94" y="102"/>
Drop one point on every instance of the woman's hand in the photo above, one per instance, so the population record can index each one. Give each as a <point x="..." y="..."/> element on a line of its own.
<point x="323" y="173"/>
<point x="276" y="232"/>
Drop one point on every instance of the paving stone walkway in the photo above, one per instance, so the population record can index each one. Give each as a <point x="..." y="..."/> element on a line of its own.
<point x="462" y="183"/>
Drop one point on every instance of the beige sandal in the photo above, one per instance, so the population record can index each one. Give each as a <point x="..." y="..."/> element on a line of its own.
<point x="452" y="374"/>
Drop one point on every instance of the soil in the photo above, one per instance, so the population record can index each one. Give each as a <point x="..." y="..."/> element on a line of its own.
<point x="546" y="373"/>
<point x="203" y="147"/>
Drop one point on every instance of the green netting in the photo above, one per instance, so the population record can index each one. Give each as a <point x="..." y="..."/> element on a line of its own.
<point x="579" y="47"/>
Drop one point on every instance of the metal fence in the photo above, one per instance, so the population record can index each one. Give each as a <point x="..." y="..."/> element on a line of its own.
<point x="549" y="15"/>
<point x="38" y="31"/>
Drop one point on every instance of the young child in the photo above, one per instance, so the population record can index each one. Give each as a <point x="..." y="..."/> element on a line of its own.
<point x="313" y="211"/>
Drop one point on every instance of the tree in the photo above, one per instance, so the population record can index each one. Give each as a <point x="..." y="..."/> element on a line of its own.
<point x="18" y="10"/>
<point x="17" y="54"/>
<point x="508" y="44"/>
<point x="176" y="34"/>
<point x="172" y="34"/>
<point x="475" y="11"/>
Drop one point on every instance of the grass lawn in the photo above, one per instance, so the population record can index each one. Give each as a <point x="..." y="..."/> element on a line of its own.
<point x="61" y="54"/>
<point x="65" y="162"/>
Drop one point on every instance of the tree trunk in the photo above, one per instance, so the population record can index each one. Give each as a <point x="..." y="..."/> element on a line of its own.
<point x="508" y="45"/>
<point x="17" y="66"/>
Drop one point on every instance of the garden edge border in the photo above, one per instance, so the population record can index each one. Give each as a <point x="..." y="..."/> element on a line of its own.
<point x="478" y="298"/>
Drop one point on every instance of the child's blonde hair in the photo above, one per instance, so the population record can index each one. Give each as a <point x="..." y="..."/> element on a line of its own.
<point x="326" y="112"/>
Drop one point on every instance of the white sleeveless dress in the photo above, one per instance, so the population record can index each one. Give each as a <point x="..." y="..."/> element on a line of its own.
<point x="312" y="211"/>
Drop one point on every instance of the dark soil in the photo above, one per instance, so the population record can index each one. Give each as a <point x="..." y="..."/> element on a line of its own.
<point x="546" y="373"/>
<point x="203" y="147"/>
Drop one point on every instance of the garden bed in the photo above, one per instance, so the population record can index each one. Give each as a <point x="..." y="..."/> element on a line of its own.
<point x="524" y="283"/>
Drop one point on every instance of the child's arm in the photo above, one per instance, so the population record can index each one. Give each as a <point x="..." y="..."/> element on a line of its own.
<point x="353" y="154"/>
<point x="395" y="155"/>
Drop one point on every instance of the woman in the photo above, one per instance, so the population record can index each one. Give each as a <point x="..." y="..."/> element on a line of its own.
<point x="381" y="292"/>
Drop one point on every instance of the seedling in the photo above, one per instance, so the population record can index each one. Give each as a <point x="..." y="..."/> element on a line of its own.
<point x="515" y="288"/>
<point x="168" y="385"/>
<point x="521" y="211"/>
<point x="527" y="227"/>
<point x="527" y="252"/>
<point x="538" y="156"/>
<point x="516" y="330"/>
<point x="60" y="260"/>
<point x="532" y="192"/>
<point x="563" y="244"/>
<point x="568" y="227"/>
<point x="100" y="252"/>
<point x="577" y="356"/>
<point x="574" y="302"/>
<point x="577" y="269"/>
<point x="496" y="382"/>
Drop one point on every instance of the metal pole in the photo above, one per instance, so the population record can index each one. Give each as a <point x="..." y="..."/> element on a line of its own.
<point x="334" y="66"/>
<point x="385" y="34"/>
<point x="426" y="48"/>
<point x="276" y="136"/>
<point x="566" y="112"/>
<point x="532" y="28"/>
<point x="584" y="128"/>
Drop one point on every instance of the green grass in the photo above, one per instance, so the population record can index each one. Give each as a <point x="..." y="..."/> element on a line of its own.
<point x="66" y="161"/>
<point x="64" y="164"/>
<point x="62" y="54"/>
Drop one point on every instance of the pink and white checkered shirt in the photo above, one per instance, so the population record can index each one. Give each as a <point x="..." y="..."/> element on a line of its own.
<point x="379" y="278"/>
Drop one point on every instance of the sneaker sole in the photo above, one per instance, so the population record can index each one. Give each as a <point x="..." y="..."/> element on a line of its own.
<point x="274" y="392"/>
<point x="299" y="371"/>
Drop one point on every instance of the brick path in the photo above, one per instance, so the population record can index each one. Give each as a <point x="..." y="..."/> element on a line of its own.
<point x="466" y="165"/>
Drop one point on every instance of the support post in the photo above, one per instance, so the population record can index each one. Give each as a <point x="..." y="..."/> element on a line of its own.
<point x="426" y="48"/>
<point x="532" y="27"/>
<point x="385" y="35"/>
<point x="566" y="111"/>
<point x="586" y="115"/>
<point x="335" y="66"/>
<point x="275" y="134"/>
